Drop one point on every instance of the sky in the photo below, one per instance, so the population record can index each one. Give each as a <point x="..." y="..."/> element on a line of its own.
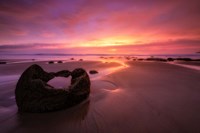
<point x="100" y="26"/>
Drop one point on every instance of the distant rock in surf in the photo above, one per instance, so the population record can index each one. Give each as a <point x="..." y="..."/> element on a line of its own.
<point x="184" y="59"/>
<point x="170" y="59"/>
<point x="93" y="72"/>
<point x="51" y="62"/>
<point x="3" y="62"/>
<point x="140" y="59"/>
<point x="156" y="59"/>
<point x="196" y="59"/>
<point x="60" y="61"/>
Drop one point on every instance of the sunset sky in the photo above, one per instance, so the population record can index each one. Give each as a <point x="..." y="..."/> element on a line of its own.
<point x="100" y="26"/>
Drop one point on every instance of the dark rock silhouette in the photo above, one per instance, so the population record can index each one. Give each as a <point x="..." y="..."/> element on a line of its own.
<point x="93" y="72"/>
<point x="140" y="59"/>
<point x="184" y="59"/>
<point x="3" y="62"/>
<point x="51" y="62"/>
<point x="156" y="59"/>
<point x="60" y="61"/>
<point x="80" y="86"/>
<point x="33" y="94"/>
<point x="170" y="59"/>
<point x="196" y="59"/>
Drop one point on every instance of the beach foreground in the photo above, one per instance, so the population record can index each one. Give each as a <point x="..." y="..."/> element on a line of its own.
<point x="152" y="97"/>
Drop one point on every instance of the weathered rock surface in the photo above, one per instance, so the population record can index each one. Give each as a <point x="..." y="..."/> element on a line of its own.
<point x="33" y="94"/>
<point x="63" y="73"/>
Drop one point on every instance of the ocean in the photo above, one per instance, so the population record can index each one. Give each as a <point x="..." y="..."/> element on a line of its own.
<point x="43" y="57"/>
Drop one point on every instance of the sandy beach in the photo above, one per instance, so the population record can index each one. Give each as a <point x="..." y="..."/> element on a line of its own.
<point x="135" y="96"/>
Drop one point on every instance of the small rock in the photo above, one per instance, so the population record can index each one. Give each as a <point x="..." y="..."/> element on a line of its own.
<point x="51" y="62"/>
<point x="60" y="61"/>
<point x="3" y="62"/>
<point x="140" y="59"/>
<point x="93" y="72"/>
<point x="184" y="59"/>
<point x="170" y="59"/>
<point x="156" y="59"/>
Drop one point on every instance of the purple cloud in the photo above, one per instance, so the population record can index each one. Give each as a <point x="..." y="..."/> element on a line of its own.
<point x="74" y="21"/>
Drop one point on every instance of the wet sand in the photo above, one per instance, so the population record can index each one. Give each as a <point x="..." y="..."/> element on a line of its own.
<point x="151" y="97"/>
<point x="188" y="64"/>
<point x="195" y="63"/>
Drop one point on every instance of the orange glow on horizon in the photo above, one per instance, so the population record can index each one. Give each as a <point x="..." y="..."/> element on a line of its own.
<point x="120" y="41"/>
<point x="112" y="41"/>
<point x="113" y="50"/>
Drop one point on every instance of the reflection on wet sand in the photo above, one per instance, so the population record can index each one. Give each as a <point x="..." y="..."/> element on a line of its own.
<point x="109" y="70"/>
<point x="60" y="120"/>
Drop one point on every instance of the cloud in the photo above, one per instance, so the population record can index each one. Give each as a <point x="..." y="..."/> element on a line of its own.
<point x="183" y="46"/>
<point x="77" y="22"/>
<point x="29" y="46"/>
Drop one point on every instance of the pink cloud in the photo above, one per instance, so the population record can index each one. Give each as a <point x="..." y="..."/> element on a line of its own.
<point x="78" y="22"/>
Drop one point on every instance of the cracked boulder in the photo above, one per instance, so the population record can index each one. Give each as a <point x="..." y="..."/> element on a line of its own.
<point x="33" y="94"/>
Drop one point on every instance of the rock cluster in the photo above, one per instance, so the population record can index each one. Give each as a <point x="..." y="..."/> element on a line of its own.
<point x="33" y="94"/>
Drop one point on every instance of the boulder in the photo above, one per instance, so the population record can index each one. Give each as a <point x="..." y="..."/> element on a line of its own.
<point x="33" y="94"/>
